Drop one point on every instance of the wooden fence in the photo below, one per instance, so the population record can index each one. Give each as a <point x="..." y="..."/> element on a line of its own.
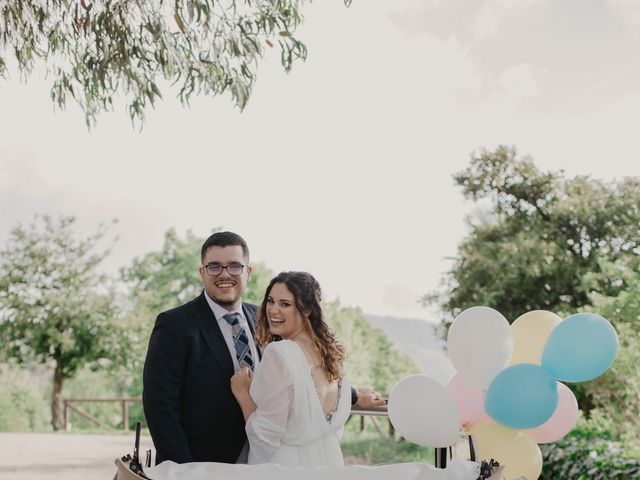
<point x="71" y="407"/>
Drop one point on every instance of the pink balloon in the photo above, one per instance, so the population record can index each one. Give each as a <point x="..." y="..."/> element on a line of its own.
<point x="562" y="420"/>
<point x="469" y="402"/>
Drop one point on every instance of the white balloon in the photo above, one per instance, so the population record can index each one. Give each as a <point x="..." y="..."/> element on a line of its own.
<point x="480" y="343"/>
<point x="423" y="411"/>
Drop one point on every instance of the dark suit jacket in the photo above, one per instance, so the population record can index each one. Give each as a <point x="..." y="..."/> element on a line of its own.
<point x="188" y="404"/>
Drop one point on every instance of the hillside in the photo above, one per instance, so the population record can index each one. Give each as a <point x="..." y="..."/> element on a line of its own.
<point x="421" y="341"/>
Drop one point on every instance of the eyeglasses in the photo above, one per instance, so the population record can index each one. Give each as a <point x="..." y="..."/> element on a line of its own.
<point x="215" y="269"/>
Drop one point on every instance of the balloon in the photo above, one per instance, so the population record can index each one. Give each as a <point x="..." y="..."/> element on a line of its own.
<point x="424" y="412"/>
<point x="522" y="396"/>
<point x="480" y="344"/>
<point x="530" y="333"/>
<point x="582" y="347"/>
<point x="469" y="400"/>
<point x="562" y="420"/>
<point x="512" y="448"/>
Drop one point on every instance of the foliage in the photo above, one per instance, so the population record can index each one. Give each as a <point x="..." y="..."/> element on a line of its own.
<point x="590" y="452"/>
<point x="553" y="243"/>
<point x="369" y="447"/>
<point x="97" y="50"/>
<point x="168" y="277"/>
<point x="545" y="241"/>
<point x="617" y="392"/>
<point x="372" y="359"/>
<point x="23" y="398"/>
<point x="101" y="384"/>
<point x="54" y="304"/>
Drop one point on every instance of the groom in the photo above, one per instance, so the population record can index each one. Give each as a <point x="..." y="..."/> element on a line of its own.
<point x="194" y="350"/>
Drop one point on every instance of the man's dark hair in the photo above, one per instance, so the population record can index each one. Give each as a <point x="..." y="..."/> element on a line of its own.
<point x="225" y="239"/>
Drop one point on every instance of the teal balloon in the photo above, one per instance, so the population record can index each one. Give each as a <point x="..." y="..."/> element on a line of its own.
<point x="522" y="396"/>
<point x="580" y="348"/>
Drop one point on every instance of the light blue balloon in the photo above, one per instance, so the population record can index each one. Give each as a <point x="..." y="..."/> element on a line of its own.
<point x="580" y="348"/>
<point x="522" y="396"/>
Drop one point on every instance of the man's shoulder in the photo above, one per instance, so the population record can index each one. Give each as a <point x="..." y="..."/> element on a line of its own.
<point x="251" y="308"/>
<point x="182" y="311"/>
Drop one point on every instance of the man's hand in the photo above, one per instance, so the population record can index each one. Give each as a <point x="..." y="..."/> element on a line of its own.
<point x="368" y="399"/>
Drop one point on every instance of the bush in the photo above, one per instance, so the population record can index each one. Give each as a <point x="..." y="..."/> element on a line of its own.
<point x="24" y="406"/>
<point x="590" y="452"/>
<point x="369" y="447"/>
<point x="372" y="358"/>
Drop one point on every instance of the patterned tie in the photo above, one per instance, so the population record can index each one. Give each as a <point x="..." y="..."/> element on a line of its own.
<point x="240" y="340"/>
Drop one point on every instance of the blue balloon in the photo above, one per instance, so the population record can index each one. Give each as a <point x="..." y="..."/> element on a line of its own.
<point x="522" y="396"/>
<point x="580" y="348"/>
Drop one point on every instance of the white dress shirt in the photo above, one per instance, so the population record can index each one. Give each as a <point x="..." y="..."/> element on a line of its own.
<point x="227" y="332"/>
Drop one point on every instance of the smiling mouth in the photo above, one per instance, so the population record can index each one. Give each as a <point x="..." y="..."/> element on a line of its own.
<point x="225" y="284"/>
<point x="276" y="321"/>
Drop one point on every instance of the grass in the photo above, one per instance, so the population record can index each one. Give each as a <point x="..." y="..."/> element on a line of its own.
<point x="369" y="447"/>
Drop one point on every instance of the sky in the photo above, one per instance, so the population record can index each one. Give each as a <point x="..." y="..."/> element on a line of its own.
<point x="344" y="167"/>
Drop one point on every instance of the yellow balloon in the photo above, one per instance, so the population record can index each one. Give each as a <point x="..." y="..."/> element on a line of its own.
<point x="516" y="450"/>
<point x="530" y="333"/>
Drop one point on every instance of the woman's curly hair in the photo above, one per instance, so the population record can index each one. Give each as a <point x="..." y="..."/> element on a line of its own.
<point x="307" y="295"/>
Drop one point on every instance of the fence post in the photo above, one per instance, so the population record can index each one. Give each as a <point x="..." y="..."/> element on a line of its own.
<point x="67" y="420"/>
<point x="125" y="415"/>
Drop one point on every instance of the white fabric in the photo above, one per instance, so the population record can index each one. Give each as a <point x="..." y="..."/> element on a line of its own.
<point x="227" y="330"/>
<point x="457" y="470"/>
<point x="289" y="426"/>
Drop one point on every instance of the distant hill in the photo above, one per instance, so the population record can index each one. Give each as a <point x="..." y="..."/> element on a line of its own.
<point x="421" y="341"/>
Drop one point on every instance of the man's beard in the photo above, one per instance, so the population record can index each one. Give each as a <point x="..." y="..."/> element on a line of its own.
<point x="225" y="302"/>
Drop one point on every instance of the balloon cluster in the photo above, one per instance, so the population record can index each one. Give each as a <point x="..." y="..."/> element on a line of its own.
<point x="507" y="391"/>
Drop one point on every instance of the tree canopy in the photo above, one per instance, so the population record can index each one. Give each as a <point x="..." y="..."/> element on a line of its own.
<point x="55" y="305"/>
<point x="95" y="51"/>
<point x="372" y="358"/>
<point x="546" y="240"/>
<point x="554" y="243"/>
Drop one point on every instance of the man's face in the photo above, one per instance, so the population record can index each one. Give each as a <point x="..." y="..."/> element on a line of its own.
<point x="225" y="289"/>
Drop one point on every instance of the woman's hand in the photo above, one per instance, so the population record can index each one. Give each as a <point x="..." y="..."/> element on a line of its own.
<point x="240" y="383"/>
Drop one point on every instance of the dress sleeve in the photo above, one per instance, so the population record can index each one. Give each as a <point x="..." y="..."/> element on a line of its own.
<point x="272" y="391"/>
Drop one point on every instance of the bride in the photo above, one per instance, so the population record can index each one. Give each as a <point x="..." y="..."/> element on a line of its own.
<point x="298" y="401"/>
<point x="297" y="404"/>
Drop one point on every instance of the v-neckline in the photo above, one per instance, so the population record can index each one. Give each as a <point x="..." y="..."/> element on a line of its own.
<point x="329" y="416"/>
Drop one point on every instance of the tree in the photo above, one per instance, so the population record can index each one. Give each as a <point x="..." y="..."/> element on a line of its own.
<point x="372" y="359"/>
<point x="551" y="243"/>
<point x="544" y="241"/>
<point x="97" y="50"/>
<point x="617" y="392"/>
<point x="55" y="306"/>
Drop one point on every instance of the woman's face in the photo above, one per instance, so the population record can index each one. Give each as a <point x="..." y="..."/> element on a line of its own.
<point x="285" y="320"/>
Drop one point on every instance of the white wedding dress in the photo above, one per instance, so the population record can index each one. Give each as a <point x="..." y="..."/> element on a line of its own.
<point x="290" y="437"/>
<point x="289" y="426"/>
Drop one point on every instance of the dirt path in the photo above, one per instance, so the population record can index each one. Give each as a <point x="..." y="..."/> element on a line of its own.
<point x="48" y="456"/>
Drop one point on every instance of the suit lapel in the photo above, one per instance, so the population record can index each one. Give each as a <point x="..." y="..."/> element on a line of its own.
<point x="212" y="335"/>
<point x="250" y="315"/>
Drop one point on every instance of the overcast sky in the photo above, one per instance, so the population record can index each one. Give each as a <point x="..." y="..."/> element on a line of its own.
<point x="344" y="167"/>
